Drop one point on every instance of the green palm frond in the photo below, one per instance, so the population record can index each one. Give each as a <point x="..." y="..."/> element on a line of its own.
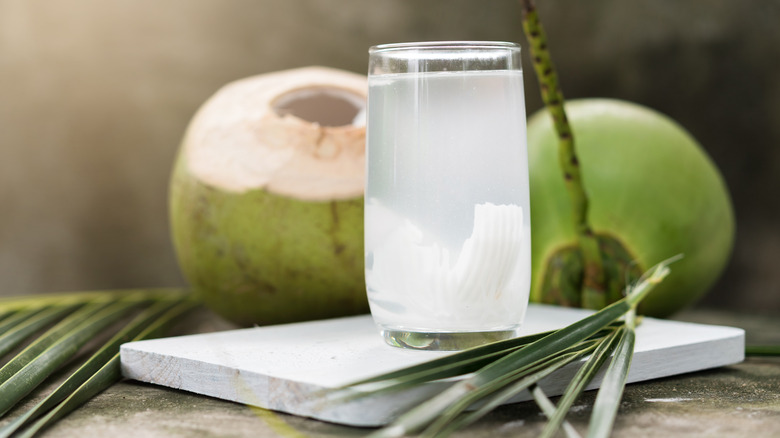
<point x="74" y="321"/>
<point x="762" y="350"/>
<point x="24" y="323"/>
<point x="608" y="399"/>
<point x="495" y="373"/>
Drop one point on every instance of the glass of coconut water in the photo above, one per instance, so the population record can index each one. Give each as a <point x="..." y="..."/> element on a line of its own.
<point x="447" y="218"/>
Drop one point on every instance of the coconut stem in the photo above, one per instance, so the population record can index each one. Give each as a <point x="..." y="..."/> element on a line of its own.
<point x="593" y="292"/>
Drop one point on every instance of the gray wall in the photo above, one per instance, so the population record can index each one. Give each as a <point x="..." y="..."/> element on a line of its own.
<point x="95" y="95"/>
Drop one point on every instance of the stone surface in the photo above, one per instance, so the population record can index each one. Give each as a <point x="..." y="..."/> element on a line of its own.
<point x="734" y="401"/>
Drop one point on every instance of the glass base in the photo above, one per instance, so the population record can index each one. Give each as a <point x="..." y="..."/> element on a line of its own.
<point x="446" y="341"/>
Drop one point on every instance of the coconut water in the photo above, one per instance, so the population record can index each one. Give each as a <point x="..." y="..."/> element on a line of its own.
<point x="447" y="216"/>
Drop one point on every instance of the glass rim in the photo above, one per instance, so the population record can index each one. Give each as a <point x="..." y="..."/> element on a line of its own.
<point x="446" y="45"/>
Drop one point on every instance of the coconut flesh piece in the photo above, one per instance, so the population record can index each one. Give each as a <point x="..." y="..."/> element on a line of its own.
<point x="297" y="133"/>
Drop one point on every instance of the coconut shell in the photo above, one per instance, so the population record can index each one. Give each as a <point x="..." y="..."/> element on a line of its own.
<point x="650" y="186"/>
<point x="266" y="205"/>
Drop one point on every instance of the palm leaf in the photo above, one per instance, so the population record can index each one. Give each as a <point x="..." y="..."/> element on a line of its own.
<point x="506" y="375"/>
<point x="449" y="422"/>
<point x="580" y="380"/>
<point x="57" y="346"/>
<point x="762" y="350"/>
<point x="45" y="341"/>
<point x="505" y="369"/>
<point x="63" y="299"/>
<point x="454" y="364"/>
<point x="146" y="326"/>
<point x="457" y="364"/>
<point x="608" y="399"/>
<point x="25" y="323"/>
<point x="95" y="362"/>
<point x="75" y="320"/>
<point x="548" y="408"/>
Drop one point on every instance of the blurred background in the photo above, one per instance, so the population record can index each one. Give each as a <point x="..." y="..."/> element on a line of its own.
<point x="95" y="96"/>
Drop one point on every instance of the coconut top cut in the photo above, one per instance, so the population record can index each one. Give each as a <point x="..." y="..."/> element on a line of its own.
<point x="298" y="133"/>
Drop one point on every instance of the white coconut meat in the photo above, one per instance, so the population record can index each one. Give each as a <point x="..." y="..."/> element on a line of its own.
<point x="297" y="133"/>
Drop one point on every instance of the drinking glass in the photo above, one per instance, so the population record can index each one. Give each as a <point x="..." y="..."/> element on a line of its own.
<point x="447" y="223"/>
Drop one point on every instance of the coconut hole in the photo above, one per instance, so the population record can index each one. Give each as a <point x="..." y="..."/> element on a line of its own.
<point x="323" y="106"/>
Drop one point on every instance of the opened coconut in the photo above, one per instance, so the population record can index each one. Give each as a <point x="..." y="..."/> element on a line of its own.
<point x="267" y="197"/>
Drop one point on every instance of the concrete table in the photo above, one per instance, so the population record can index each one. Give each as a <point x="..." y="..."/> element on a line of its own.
<point x="741" y="400"/>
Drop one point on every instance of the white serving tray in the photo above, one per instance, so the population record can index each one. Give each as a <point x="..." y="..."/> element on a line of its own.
<point x="280" y="367"/>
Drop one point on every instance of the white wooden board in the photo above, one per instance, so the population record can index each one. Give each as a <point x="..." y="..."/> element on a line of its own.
<point x="280" y="367"/>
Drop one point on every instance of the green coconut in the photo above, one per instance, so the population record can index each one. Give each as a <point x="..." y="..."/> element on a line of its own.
<point x="266" y="197"/>
<point x="653" y="193"/>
